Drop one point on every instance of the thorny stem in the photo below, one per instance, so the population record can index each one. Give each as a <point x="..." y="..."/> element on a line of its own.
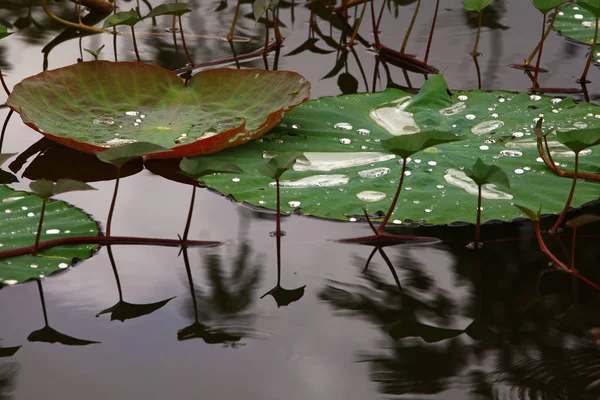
<point x="435" y="14"/>
<point x="69" y="23"/>
<point x="410" y="27"/>
<point x="568" y="203"/>
<point x="4" y="84"/>
<point x="478" y="70"/>
<point x="135" y="48"/>
<point x="555" y="260"/>
<point x="188" y="222"/>
<point x="478" y="224"/>
<point x="357" y="25"/>
<point x="544" y="37"/>
<point x="391" y="210"/>
<point x="591" y="56"/>
<point x="548" y="150"/>
<point x="36" y="245"/>
<point x="479" y="22"/>
<point x="113" y="202"/>
<point x="539" y="54"/>
<point x="102" y="240"/>
<point x="185" y="48"/>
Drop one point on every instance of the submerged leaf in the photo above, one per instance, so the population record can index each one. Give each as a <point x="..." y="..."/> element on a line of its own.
<point x="482" y="174"/>
<point x="276" y="166"/>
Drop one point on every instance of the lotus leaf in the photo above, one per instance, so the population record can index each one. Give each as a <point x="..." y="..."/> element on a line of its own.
<point x="20" y="214"/>
<point x="95" y="105"/>
<point x="345" y="166"/>
<point x="577" y="23"/>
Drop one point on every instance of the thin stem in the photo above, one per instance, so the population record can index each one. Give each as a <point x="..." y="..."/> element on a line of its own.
<point x="10" y="113"/>
<point x="174" y="31"/>
<point x="393" y="271"/>
<point x="357" y="26"/>
<point x="391" y="210"/>
<point x="380" y="15"/>
<point x="539" y="54"/>
<point x="68" y="23"/>
<point x="267" y="33"/>
<point x="114" y="31"/>
<point x="410" y="27"/>
<point x="135" y="48"/>
<point x="366" y="268"/>
<point x="479" y="22"/>
<point x="188" y="271"/>
<point x="189" y="217"/>
<point x="369" y="221"/>
<point x="568" y="203"/>
<point x="43" y="301"/>
<point x="36" y="245"/>
<point x="4" y="84"/>
<point x="374" y="24"/>
<point x="278" y="36"/>
<point x="278" y="232"/>
<point x="435" y="14"/>
<point x="478" y="224"/>
<point x="113" y="202"/>
<point x="544" y="37"/>
<point x="478" y="70"/>
<point x="185" y="48"/>
<point x="113" y="265"/>
<point x="573" y="249"/>
<point x="591" y="56"/>
<point x="548" y="150"/>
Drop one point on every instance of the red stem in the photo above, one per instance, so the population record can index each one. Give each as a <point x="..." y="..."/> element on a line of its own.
<point x="539" y="55"/>
<point x="188" y="222"/>
<point x="435" y="14"/>
<point x="113" y="202"/>
<point x="4" y="84"/>
<point x="569" y="199"/>
<point x="185" y="48"/>
<point x="391" y="210"/>
<point x="135" y="48"/>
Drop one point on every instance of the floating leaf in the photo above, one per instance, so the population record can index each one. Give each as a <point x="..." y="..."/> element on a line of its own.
<point x="579" y="140"/>
<point x="346" y="168"/>
<point x="483" y="174"/>
<point x="96" y="105"/>
<point x="431" y="334"/>
<point x="122" y="154"/>
<point x="45" y="189"/>
<point x="19" y="217"/>
<point x="407" y="145"/>
<point x="4" y="32"/>
<point x="578" y="24"/>
<point x="129" y="18"/>
<point x="582" y="220"/>
<point x="276" y="166"/>
<point x="123" y="310"/>
<point x="198" y="167"/>
<point x="476" y="5"/>
<point x="546" y="6"/>
<point x="51" y="335"/>
<point x="8" y="351"/>
<point x="177" y="9"/>
<point x="285" y="297"/>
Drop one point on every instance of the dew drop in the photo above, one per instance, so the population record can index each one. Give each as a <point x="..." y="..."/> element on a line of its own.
<point x="462" y="97"/>
<point x="555" y="100"/>
<point x="518" y="134"/>
<point x="535" y="97"/>
<point x="103" y="121"/>
<point x="262" y="202"/>
<point x="10" y="282"/>
<point x="52" y="231"/>
<point x="235" y="180"/>
<point x="519" y="171"/>
<point x="374" y="172"/>
<point x="34" y="265"/>
<point x="363" y="131"/>
<point x="580" y="125"/>
<point x="31" y="214"/>
<point x="470" y="117"/>
<point x="417" y="201"/>
<point x="578" y="16"/>
<point x="63" y="265"/>
<point x="428" y="210"/>
<point x="484" y="147"/>
<point x="345" y="141"/>
<point x="511" y="153"/>
<point x="296" y="126"/>
<point x="397" y="222"/>
<point x="343" y="126"/>
<point x="486" y="127"/>
<point x="453" y="109"/>
<point x="407" y="173"/>
<point x="440" y="186"/>
<point x="501" y="99"/>
<point x="294" y="204"/>
<point x="432" y="163"/>
<point x="24" y="208"/>
<point x="314" y="181"/>
<point x="370" y="196"/>
<point x="352" y="219"/>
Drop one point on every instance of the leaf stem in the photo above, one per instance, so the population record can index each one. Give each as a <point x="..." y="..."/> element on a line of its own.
<point x="10" y="113"/>
<point x="185" y="48"/>
<point x="539" y="54"/>
<point x="188" y="270"/>
<point x="478" y="224"/>
<point x="357" y="26"/>
<point x="188" y="222"/>
<point x="544" y="37"/>
<point x="591" y="56"/>
<point x="479" y="22"/>
<point x="573" y="249"/>
<point x="430" y="40"/>
<point x="569" y="199"/>
<point x="43" y="301"/>
<point x="278" y="216"/>
<point x="135" y="48"/>
<point x="68" y="23"/>
<point x="410" y="27"/>
<point x="113" y="202"/>
<point x="4" y="84"/>
<point x="391" y="210"/>
<point x="36" y="245"/>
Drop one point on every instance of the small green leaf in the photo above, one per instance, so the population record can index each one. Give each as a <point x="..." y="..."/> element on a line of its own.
<point x="276" y="166"/>
<point x="129" y="18"/>
<point x="581" y="139"/>
<point x="582" y="220"/>
<point x="4" y="32"/>
<point x="407" y="145"/>
<point x="121" y="154"/>
<point x="476" y="5"/>
<point x="199" y="166"/>
<point x="44" y="188"/>
<point x="177" y="9"/>
<point x="546" y="5"/>
<point x="592" y="6"/>
<point x="482" y="174"/>
<point x="533" y="216"/>
<point x="259" y="7"/>
<point x="96" y="53"/>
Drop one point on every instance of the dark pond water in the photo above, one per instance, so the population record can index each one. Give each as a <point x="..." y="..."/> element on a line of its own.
<point x="530" y="336"/>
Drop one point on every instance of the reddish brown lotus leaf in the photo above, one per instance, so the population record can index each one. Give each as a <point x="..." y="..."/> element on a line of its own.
<point x="96" y="105"/>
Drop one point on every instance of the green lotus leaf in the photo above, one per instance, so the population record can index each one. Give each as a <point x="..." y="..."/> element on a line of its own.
<point x="346" y="168"/>
<point x="578" y="24"/>
<point x="4" y="32"/>
<point x="530" y="213"/>
<point x="198" y="167"/>
<point x="44" y="188"/>
<point x="579" y="140"/>
<point x="129" y="18"/>
<point x="407" y="145"/>
<point x="20" y="215"/>
<point x="120" y="155"/>
<point x="95" y="105"/>
<point x="177" y="9"/>
<point x="277" y="165"/>
<point x="259" y="7"/>
<point x="476" y="5"/>
<point x="592" y="6"/>
<point x="546" y="6"/>
<point x="483" y="174"/>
